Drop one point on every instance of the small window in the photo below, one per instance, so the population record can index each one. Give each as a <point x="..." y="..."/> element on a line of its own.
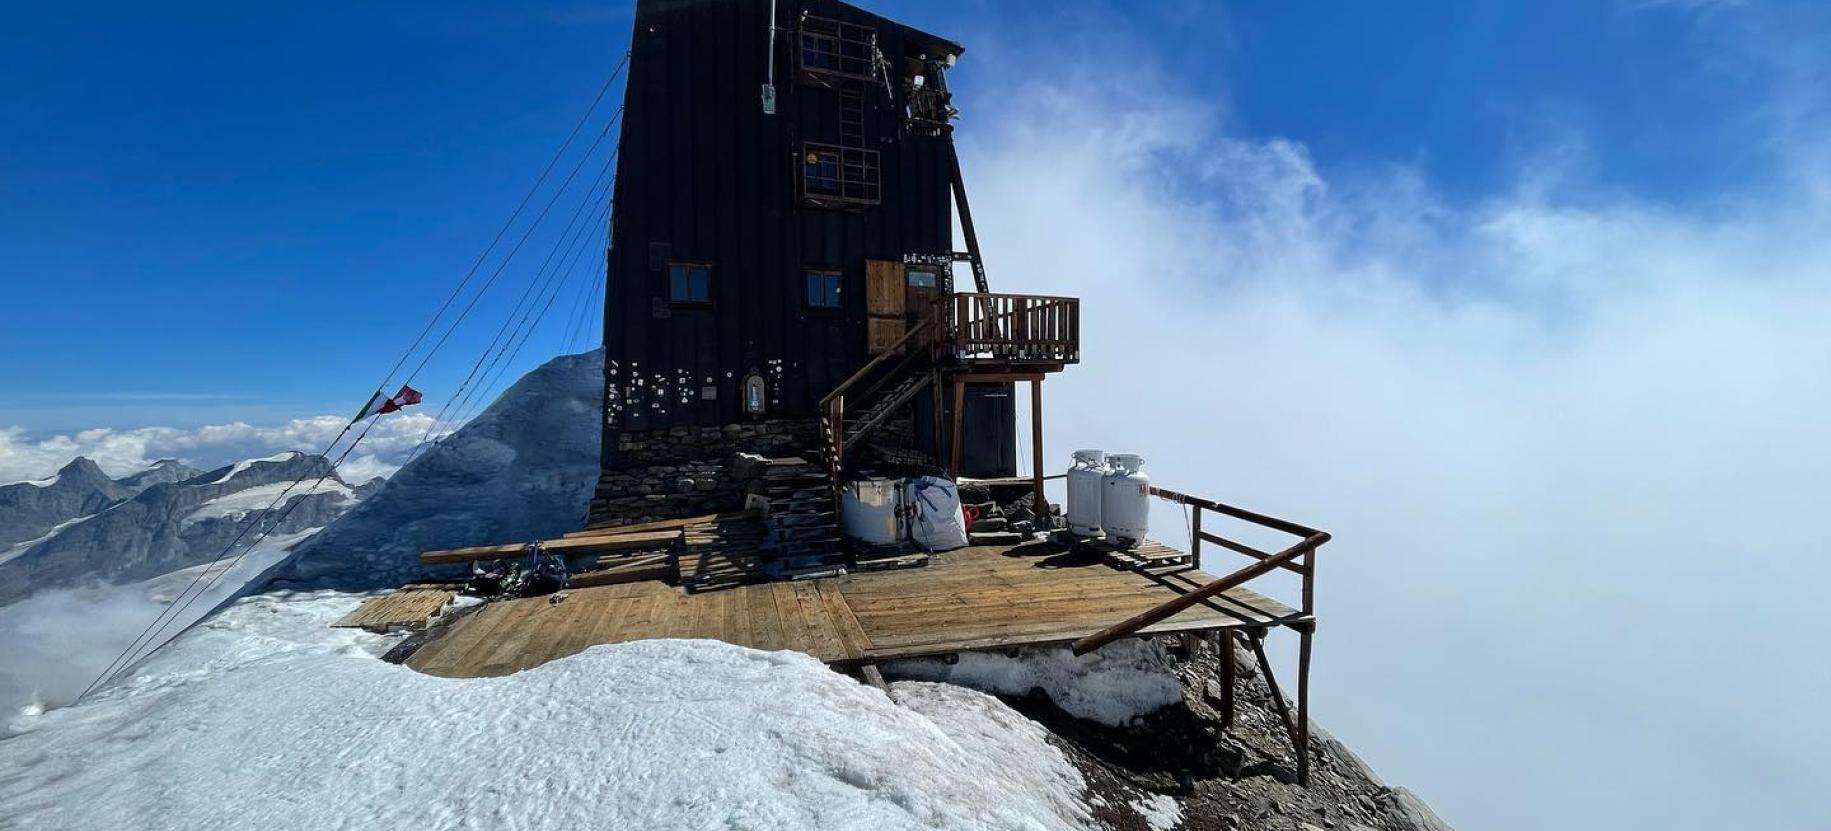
<point x="822" y="289"/>
<point x="689" y="283"/>
<point x="923" y="279"/>
<point x="830" y="173"/>
<point x="830" y="47"/>
<point x="817" y="51"/>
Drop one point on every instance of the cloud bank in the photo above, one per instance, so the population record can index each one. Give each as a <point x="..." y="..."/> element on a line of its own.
<point x="1565" y="438"/>
<point x="120" y="452"/>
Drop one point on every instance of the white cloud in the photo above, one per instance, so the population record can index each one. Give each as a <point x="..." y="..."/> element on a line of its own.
<point x="120" y="452"/>
<point x="1566" y="441"/>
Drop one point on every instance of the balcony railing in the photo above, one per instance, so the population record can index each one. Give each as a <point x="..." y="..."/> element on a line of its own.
<point x="1008" y="328"/>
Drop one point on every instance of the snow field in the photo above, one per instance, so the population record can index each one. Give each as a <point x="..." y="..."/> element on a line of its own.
<point x="265" y="717"/>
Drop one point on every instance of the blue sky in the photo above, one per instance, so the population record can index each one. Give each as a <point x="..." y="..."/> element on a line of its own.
<point x="1499" y="294"/>
<point x="211" y="200"/>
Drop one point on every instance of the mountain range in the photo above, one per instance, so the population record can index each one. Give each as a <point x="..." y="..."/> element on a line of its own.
<point x="82" y="526"/>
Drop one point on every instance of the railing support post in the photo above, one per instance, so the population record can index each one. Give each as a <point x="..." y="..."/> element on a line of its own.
<point x="1195" y="539"/>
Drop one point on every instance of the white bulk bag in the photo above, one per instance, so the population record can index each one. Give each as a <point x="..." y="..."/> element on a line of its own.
<point x="936" y="522"/>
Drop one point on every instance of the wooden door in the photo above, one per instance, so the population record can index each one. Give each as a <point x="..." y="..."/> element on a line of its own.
<point x="886" y="305"/>
<point x="924" y="288"/>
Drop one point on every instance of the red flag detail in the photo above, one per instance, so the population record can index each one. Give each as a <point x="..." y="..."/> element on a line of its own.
<point x="407" y="397"/>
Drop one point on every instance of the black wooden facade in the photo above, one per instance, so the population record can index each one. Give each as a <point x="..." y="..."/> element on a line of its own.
<point x="722" y="211"/>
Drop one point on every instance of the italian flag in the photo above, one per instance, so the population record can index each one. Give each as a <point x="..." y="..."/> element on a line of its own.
<point x="378" y="405"/>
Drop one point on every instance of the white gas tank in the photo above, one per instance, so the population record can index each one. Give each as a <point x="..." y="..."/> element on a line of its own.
<point x="1084" y="492"/>
<point x="870" y="511"/>
<point x="1125" y="500"/>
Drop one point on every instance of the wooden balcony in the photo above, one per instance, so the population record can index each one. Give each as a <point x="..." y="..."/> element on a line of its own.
<point x="1020" y="331"/>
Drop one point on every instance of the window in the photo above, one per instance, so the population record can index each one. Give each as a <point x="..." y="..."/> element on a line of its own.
<point x="923" y="279"/>
<point x="830" y="173"/>
<point x="829" y="47"/>
<point x="822" y="289"/>
<point x="689" y="283"/>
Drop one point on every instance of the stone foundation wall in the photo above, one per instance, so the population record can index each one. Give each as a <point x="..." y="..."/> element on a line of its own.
<point x="687" y="471"/>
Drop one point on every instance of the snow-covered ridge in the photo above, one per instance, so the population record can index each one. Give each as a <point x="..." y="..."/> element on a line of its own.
<point x="308" y="729"/>
<point x="18" y="548"/>
<point x="238" y="467"/>
<point x="240" y="503"/>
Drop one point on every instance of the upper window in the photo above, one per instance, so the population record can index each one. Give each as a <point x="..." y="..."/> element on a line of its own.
<point x="843" y="174"/>
<point x="822" y="289"/>
<point x="923" y="279"/>
<point x="689" y="283"/>
<point x="835" y="48"/>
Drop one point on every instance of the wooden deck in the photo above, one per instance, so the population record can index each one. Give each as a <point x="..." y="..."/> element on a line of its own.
<point x="970" y="599"/>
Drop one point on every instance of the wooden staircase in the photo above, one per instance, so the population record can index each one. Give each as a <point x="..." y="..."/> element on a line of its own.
<point x="801" y="521"/>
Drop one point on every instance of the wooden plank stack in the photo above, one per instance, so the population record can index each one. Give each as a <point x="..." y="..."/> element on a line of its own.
<point x="410" y="607"/>
<point x="1149" y="556"/>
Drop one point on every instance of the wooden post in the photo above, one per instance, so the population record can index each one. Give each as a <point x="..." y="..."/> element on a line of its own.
<point x="959" y="417"/>
<point x="1271" y="682"/>
<point x="935" y="417"/>
<point x="1228" y="673"/>
<point x="1303" y="705"/>
<point x="1195" y="539"/>
<point x="1036" y="443"/>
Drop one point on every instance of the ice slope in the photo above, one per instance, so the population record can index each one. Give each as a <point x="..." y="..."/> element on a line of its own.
<point x="265" y="718"/>
<point x="522" y="469"/>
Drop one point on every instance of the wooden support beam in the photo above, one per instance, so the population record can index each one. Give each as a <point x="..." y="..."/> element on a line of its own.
<point x="1271" y="681"/>
<point x="959" y="419"/>
<point x="562" y="546"/>
<point x="1229" y="677"/>
<point x="971" y="377"/>
<point x="1041" y="507"/>
<point x="1195" y="538"/>
<point x="1303" y="705"/>
<point x="873" y="676"/>
<point x="1165" y="610"/>
<point x="659" y="525"/>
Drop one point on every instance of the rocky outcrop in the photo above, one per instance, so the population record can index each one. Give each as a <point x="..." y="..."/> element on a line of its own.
<point x="523" y="469"/>
<point x="31" y="509"/>
<point x="171" y="525"/>
<point x="1232" y="777"/>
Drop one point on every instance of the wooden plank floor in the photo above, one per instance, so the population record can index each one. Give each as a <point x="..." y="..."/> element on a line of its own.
<point x="973" y="598"/>
<point x="411" y="606"/>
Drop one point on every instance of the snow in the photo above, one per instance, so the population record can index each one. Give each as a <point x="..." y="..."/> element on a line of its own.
<point x="238" y="467"/>
<point x="1111" y="685"/>
<point x="18" y="548"/>
<point x="240" y="503"/>
<point x="264" y="717"/>
<point x="39" y="483"/>
<point x="1161" y="812"/>
<point x="53" y="643"/>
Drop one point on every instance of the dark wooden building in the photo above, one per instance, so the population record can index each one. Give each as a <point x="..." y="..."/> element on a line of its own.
<point x="783" y="212"/>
